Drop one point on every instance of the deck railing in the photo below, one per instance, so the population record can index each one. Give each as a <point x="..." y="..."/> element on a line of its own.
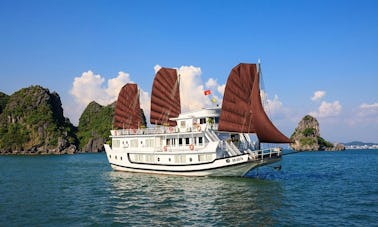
<point x="266" y="153"/>
<point x="157" y="130"/>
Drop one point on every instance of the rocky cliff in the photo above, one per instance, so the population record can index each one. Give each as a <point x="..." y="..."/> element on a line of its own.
<point x="307" y="137"/>
<point x="32" y="122"/>
<point x="94" y="127"/>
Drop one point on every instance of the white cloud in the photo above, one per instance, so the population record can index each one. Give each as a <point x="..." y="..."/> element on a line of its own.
<point x="221" y="88"/>
<point x="369" y="106"/>
<point x="115" y="85"/>
<point x="157" y="68"/>
<point x="368" y="111"/>
<point x="318" y="95"/>
<point x="90" y="87"/>
<point x="191" y="93"/>
<point x="84" y="87"/>
<point x="328" y="109"/>
<point x="271" y="106"/>
<point x="211" y="83"/>
<point x="145" y="103"/>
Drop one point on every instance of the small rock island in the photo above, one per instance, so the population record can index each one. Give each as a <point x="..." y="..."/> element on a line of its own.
<point x="306" y="137"/>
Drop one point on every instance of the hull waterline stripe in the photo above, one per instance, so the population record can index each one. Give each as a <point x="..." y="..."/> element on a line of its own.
<point x="183" y="171"/>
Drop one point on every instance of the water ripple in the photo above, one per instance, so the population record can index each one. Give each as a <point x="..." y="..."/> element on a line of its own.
<point x="312" y="189"/>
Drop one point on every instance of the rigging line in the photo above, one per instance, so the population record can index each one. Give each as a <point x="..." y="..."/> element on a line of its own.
<point x="265" y="97"/>
<point x="293" y="152"/>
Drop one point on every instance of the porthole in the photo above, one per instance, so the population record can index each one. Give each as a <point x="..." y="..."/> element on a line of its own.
<point x="158" y="159"/>
<point x="190" y="159"/>
<point x="116" y="157"/>
<point x="121" y="158"/>
<point x="169" y="159"/>
<point x="110" y="156"/>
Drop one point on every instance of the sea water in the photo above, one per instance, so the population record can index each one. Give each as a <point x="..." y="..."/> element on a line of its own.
<point x="310" y="189"/>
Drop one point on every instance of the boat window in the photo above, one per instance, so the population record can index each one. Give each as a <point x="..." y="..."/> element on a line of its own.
<point x="173" y="142"/>
<point x="200" y="140"/>
<point x="187" y="141"/>
<point x="205" y="157"/>
<point x="134" y="143"/>
<point x="216" y="120"/>
<point x="149" y="158"/>
<point x="202" y="120"/>
<point x="168" y="142"/>
<point x="116" y="143"/>
<point x="150" y="142"/>
<point x="180" y="141"/>
<point x="180" y="159"/>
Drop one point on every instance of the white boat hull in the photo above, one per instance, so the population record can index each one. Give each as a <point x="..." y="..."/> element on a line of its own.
<point x="231" y="166"/>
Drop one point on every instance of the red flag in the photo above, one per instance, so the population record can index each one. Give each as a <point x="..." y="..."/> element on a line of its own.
<point x="207" y="92"/>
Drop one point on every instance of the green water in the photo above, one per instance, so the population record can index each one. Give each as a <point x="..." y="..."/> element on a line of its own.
<point x="311" y="189"/>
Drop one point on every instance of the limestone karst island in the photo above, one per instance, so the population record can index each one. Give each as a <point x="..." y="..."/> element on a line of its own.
<point x="306" y="137"/>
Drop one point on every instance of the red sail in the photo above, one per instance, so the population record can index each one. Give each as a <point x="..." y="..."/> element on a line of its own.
<point x="127" y="113"/>
<point x="242" y="110"/>
<point x="236" y="114"/>
<point x="165" y="97"/>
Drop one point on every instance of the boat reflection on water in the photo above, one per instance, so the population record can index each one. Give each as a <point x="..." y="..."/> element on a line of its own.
<point x="162" y="200"/>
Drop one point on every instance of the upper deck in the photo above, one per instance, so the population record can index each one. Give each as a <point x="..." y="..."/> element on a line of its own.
<point x="189" y="122"/>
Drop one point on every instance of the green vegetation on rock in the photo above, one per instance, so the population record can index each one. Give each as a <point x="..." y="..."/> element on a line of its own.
<point x="33" y="122"/>
<point x="324" y="144"/>
<point x="94" y="127"/>
<point x="3" y="101"/>
<point x="307" y="137"/>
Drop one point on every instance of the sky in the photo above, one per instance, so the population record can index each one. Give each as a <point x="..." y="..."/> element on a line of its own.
<point x="317" y="57"/>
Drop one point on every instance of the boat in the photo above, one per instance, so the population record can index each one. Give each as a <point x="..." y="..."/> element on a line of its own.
<point x="214" y="141"/>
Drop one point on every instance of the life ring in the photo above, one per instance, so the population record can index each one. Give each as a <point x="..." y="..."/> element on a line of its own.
<point x="191" y="147"/>
<point x="165" y="148"/>
<point x="199" y="128"/>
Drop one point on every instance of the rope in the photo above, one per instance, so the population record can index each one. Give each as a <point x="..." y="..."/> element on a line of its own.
<point x="293" y="152"/>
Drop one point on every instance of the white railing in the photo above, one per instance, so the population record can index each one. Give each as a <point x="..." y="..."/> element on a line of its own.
<point x="156" y="130"/>
<point x="265" y="153"/>
<point x="211" y="136"/>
